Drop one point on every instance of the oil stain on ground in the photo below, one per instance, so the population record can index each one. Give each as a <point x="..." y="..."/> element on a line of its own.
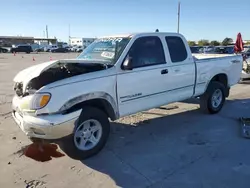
<point x="41" y="152"/>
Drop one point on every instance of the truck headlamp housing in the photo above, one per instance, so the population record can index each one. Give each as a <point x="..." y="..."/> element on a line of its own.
<point x="40" y="100"/>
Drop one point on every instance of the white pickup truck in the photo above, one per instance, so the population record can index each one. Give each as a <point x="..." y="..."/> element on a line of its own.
<point x="114" y="77"/>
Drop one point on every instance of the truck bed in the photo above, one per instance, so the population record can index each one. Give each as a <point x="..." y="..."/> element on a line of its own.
<point x="209" y="56"/>
<point x="208" y="65"/>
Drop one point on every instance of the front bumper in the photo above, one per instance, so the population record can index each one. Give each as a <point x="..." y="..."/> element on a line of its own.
<point x="52" y="126"/>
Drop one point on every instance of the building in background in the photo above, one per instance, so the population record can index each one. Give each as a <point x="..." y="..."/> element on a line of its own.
<point x="9" y="41"/>
<point x="83" y="42"/>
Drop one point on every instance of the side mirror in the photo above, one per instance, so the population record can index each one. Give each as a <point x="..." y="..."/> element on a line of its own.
<point x="127" y="64"/>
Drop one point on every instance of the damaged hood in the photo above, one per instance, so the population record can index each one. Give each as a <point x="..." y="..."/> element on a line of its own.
<point x="33" y="71"/>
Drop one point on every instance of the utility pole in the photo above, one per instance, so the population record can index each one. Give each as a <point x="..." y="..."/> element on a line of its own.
<point x="69" y="34"/>
<point x="178" y="24"/>
<point x="47" y="34"/>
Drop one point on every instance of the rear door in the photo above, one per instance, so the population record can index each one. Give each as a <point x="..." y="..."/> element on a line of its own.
<point x="182" y="67"/>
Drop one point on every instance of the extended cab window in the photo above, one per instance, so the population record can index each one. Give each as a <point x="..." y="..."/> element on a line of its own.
<point x="177" y="49"/>
<point x="147" y="51"/>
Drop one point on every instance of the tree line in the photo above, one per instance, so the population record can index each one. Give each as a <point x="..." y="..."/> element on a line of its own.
<point x="203" y="42"/>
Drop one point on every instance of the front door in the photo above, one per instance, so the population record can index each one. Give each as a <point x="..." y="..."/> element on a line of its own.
<point x="143" y="87"/>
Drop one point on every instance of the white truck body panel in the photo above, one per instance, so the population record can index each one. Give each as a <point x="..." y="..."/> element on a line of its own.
<point x="227" y="65"/>
<point x="130" y="91"/>
<point x="204" y="56"/>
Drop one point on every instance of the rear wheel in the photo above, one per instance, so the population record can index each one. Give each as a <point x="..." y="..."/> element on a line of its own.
<point x="213" y="99"/>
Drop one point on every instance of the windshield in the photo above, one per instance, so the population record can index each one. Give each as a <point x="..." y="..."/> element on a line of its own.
<point x="107" y="50"/>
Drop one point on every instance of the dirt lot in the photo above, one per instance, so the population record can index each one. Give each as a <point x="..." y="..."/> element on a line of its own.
<point x="176" y="146"/>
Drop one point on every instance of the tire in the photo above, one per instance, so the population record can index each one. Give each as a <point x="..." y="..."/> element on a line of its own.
<point x="216" y="90"/>
<point x="93" y="117"/>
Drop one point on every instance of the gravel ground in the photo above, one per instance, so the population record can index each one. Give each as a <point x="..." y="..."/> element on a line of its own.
<point x="173" y="146"/>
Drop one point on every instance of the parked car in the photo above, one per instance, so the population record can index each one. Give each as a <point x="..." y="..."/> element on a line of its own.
<point x="60" y="50"/>
<point x="219" y="50"/>
<point x="39" y="50"/>
<point x="229" y="49"/>
<point x="22" y="48"/>
<point x="49" y="48"/>
<point x="68" y="48"/>
<point x="73" y="48"/>
<point x="112" y="78"/>
<point x="3" y="50"/>
<point x="77" y="48"/>
<point x="246" y="51"/>
<point x="195" y="49"/>
<point x="80" y="49"/>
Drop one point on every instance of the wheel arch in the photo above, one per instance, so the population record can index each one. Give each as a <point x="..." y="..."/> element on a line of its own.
<point x="100" y="100"/>
<point x="223" y="79"/>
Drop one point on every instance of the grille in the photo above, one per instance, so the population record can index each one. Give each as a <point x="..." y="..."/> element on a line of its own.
<point x="18" y="89"/>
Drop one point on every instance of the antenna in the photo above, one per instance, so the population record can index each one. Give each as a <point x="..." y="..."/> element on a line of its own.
<point x="178" y="23"/>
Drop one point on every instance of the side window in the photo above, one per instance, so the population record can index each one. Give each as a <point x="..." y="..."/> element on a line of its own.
<point x="177" y="49"/>
<point x="147" y="51"/>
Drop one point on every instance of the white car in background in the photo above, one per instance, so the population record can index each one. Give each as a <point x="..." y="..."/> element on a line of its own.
<point x="49" y="48"/>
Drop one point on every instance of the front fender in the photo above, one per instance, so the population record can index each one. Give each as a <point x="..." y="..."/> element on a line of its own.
<point x="90" y="96"/>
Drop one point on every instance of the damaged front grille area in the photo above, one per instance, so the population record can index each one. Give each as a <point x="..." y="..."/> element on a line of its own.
<point x="18" y="87"/>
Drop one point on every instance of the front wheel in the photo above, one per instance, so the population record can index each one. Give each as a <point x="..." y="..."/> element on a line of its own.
<point x="213" y="99"/>
<point x="90" y="134"/>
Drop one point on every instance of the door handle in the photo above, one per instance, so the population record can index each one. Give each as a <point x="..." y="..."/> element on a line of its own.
<point x="177" y="70"/>
<point x="164" y="71"/>
<point x="235" y="61"/>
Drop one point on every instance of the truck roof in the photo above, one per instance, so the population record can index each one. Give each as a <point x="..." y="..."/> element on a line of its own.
<point x="139" y="34"/>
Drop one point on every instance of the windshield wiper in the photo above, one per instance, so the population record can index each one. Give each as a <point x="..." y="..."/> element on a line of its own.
<point x="104" y="64"/>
